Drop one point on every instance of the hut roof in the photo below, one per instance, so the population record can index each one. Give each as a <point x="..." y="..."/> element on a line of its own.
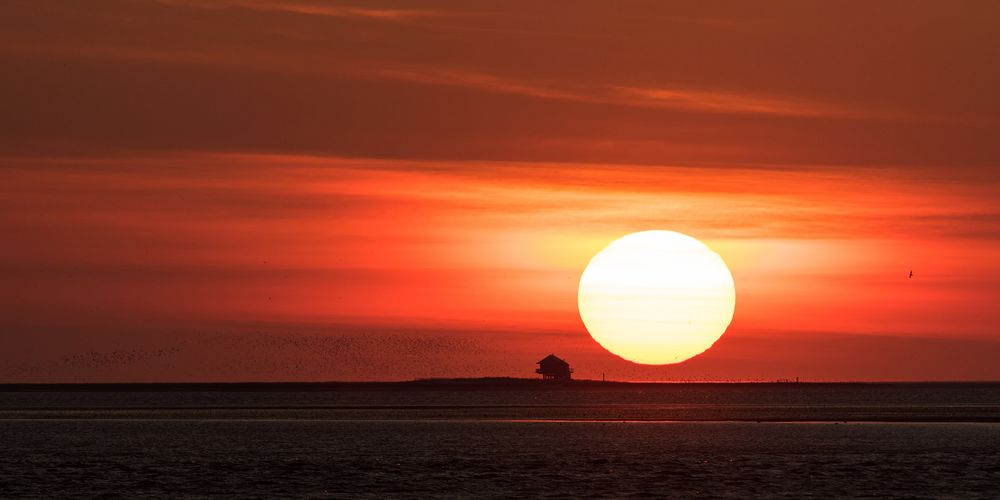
<point x="551" y="357"/>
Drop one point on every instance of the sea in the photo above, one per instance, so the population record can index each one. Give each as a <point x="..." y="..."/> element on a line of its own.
<point x="501" y="439"/>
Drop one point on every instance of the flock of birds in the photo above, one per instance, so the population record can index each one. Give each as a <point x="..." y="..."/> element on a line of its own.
<point x="317" y="355"/>
<point x="335" y="354"/>
<point x="99" y="359"/>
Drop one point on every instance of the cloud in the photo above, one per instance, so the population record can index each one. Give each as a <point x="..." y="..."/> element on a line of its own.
<point x="750" y="202"/>
<point x="315" y="9"/>
<point x="670" y="98"/>
<point x="728" y="102"/>
<point x="677" y="98"/>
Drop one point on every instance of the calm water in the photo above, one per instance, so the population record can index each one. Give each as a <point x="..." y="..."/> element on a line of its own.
<point x="350" y="444"/>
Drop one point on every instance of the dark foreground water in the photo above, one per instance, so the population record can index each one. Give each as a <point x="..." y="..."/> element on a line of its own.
<point x="267" y="458"/>
<point x="406" y="443"/>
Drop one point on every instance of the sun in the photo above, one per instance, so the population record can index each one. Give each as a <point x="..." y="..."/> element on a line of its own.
<point x="656" y="297"/>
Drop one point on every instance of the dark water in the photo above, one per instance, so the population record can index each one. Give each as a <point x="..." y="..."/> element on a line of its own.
<point x="450" y="443"/>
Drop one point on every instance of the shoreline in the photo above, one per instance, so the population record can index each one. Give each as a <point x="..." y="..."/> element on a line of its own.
<point x="989" y="413"/>
<point x="486" y="383"/>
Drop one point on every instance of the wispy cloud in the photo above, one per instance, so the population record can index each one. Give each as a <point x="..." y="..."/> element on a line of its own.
<point x="325" y="9"/>
<point x="476" y="80"/>
<point x="679" y="98"/>
<point x="727" y="102"/>
<point x="673" y="98"/>
<point x="334" y="57"/>
<point x="744" y="202"/>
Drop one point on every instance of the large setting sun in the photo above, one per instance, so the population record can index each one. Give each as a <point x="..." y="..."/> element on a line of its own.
<point x="656" y="297"/>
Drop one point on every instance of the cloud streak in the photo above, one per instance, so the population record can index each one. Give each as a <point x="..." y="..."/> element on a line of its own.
<point x="313" y="9"/>
<point x="730" y="102"/>
<point x="677" y="98"/>
<point x="664" y="98"/>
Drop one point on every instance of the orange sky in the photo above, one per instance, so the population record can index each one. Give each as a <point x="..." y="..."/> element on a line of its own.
<point x="262" y="190"/>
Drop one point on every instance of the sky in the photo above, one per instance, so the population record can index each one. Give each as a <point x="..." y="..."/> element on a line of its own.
<point x="229" y="190"/>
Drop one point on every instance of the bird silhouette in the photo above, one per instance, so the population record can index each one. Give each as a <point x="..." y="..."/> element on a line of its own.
<point x="911" y="273"/>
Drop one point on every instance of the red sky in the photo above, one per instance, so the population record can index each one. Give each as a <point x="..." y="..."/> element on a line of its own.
<point x="264" y="190"/>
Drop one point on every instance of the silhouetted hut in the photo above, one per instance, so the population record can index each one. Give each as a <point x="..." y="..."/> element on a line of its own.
<point x="553" y="368"/>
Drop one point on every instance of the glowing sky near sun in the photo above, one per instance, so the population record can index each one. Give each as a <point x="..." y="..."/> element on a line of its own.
<point x="234" y="190"/>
